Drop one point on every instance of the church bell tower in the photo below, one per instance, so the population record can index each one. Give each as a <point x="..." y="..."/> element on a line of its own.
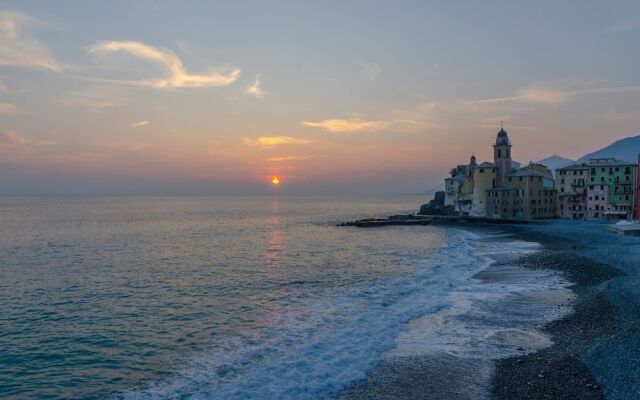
<point x="502" y="156"/>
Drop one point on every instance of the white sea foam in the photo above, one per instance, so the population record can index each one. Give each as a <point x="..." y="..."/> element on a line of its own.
<point x="314" y="348"/>
<point x="498" y="314"/>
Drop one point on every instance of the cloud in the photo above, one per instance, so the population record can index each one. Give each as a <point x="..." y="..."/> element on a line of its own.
<point x="415" y="119"/>
<point x="94" y="98"/>
<point x="369" y="70"/>
<point x="347" y="125"/>
<point x="125" y="146"/>
<point x="554" y="96"/>
<point x="256" y="89"/>
<point x="6" y="108"/>
<point x="623" y="26"/>
<point x="495" y="120"/>
<point x="288" y="158"/>
<point x="139" y="123"/>
<point x="18" y="48"/>
<point x="274" y="141"/>
<point x="176" y="76"/>
<point x="14" y="139"/>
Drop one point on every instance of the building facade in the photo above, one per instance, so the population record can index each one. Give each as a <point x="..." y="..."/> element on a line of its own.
<point x="637" y="193"/>
<point x="618" y="179"/>
<point x="571" y="182"/>
<point x="502" y="189"/>
<point x="598" y="201"/>
<point x="528" y="193"/>
<point x="484" y="178"/>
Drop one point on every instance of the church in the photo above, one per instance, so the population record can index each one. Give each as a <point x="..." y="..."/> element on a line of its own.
<point x="502" y="188"/>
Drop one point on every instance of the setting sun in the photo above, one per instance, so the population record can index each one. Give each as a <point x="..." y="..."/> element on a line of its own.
<point x="275" y="180"/>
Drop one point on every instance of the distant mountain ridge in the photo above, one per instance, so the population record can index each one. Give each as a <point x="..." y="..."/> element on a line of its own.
<point x="626" y="149"/>
<point x="554" y="162"/>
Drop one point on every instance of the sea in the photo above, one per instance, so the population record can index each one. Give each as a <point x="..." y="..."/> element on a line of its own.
<point x="252" y="297"/>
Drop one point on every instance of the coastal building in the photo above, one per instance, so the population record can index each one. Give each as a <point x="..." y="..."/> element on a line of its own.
<point x="598" y="201"/>
<point x="484" y="178"/>
<point x="501" y="189"/>
<point x="637" y="193"/>
<point x="571" y="182"/>
<point x="528" y="193"/>
<point x="614" y="181"/>
<point x="459" y="187"/>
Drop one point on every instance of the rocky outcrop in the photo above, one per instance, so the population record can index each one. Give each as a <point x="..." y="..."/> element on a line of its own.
<point x="436" y="206"/>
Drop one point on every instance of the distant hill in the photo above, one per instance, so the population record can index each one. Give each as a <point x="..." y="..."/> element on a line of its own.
<point x="626" y="149"/>
<point x="433" y="190"/>
<point x="554" y="162"/>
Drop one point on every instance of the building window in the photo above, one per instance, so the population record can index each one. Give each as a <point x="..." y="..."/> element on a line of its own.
<point x="482" y="170"/>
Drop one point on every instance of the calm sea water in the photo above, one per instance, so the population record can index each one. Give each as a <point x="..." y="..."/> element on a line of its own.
<point x="225" y="298"/>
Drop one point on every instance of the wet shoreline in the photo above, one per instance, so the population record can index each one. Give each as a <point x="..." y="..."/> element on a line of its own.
<point x="551" y="372"/>
<point x="558" y="371"/>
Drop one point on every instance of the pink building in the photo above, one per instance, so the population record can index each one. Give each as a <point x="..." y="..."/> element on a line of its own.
<point x="573" y="206"/>
<point x="597" y="201"/>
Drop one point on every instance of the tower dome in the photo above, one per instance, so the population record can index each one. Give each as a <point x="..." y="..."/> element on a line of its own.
<point x="502" y="137"/>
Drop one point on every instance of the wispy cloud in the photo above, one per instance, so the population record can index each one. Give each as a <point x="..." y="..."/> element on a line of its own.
<point x="274" y="141"/>
<point x="554" y="96"/>
<point x="415" y="119"/>
<point x="125" y="146"/>
<point x="495" y="120"/>
<point x="176" y="76"/>
<point x="94" y="98"/>
<point x="369" y="70"/>
<point x="623" y="26"/>
<point x="18" y="48"/>
<point x="347" y="125"/>
<point x="6" y="108"/>
<point x="14" y="139"/>
<point x="256" y="89"/>
<point x="288" y="158"/>
<point x="139" y="124"/>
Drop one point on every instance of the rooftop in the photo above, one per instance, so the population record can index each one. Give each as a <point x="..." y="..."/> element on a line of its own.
<point x="608" y="161"/>
<point x="574" y="166"/>
<point x="521" y="172"/>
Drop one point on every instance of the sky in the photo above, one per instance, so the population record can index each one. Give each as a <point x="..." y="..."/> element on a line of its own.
<point x="358" y="97"/>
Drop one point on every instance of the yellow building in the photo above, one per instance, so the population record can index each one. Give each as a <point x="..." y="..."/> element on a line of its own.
<point x="501" y="189"/>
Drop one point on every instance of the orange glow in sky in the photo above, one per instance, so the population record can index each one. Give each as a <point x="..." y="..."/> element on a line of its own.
<point x="275" y="180"/>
